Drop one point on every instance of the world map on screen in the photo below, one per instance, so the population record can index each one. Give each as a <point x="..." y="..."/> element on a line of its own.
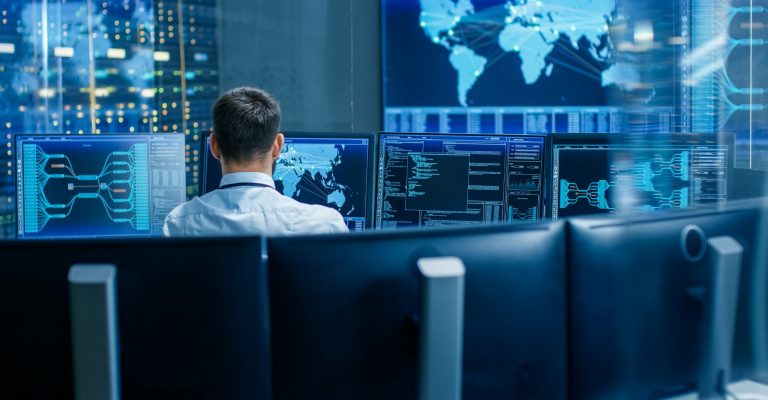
<point x="532" y="29"/>
<point x="328" y="174"/>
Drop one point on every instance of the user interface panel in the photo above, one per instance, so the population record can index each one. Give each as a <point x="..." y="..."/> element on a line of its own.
<point x="97" y="186"/>
<point x="429" y="180"/>
<point x="675" y="171"/>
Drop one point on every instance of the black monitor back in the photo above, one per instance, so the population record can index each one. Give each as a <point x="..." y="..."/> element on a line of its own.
<point x="345" y="312"/>
<point x="636" y="302"/>
<point x="191" y="317"/>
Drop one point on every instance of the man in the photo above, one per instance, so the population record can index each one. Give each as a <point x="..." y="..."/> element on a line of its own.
<point x="247" y="142"/>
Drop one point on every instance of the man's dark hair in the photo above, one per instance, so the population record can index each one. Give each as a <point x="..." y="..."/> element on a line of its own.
<point x="246" y="121"/>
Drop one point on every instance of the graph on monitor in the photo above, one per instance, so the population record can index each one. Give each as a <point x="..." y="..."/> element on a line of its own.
<point x="107" y="67"/>
<point x="429" y="180"/>
<point x="323" y="169"/>
<point x="599" y="177"/>
<point x="103" y="186"/>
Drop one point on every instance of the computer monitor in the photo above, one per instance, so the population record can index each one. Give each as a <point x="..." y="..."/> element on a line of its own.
<point x="345" y="312"/>
<point x="658" y="172"/>
<point x="329" y="169"/>
<point x="441" y="179"/>
<point x="638" y="304"/>
<point x="497" y="66"/>
<point x="750" y="350"/>
<point x="190" y="311"/>
<point x="70" y="186"/>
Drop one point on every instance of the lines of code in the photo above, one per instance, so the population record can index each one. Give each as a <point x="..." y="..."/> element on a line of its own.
<point x="430" y="180"/>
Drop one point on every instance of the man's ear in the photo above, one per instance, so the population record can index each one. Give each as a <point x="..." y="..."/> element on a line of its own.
<point x="215" y="151"/>
<point x="277" y="146"/>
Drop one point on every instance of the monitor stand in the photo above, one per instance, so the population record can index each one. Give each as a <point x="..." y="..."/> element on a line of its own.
<point x="720" y="305"/>
<point x="93" y="310"/>
<point x="725" y="255"/>
<point x="441" y="335"/>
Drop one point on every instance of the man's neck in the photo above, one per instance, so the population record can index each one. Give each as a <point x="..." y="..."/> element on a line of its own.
<point x="230" y="168"/>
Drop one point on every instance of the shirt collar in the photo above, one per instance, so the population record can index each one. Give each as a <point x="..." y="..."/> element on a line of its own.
<point x="247" y="177"/>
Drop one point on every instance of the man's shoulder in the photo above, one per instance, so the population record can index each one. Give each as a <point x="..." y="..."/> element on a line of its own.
<point x="312" y="214"/>
<point x="270" y="209"/>
<point x="285" y="202"/>
<point x="185" y="209"/>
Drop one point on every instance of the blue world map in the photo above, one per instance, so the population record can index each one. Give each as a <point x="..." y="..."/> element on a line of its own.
<point x="325" y="173"/>
<point x="451" y="54"/>
<point x="532" y="29"/>
<point x="311" y="163"/>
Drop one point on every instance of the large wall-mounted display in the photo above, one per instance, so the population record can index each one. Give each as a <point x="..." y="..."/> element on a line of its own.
<point x="578" y="66"/>
<point x="500" y="66"/>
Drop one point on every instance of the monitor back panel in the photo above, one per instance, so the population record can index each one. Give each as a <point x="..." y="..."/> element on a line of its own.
<point x="636" y="318"/>
<point x="345" y="312"/>
<point x="190" y="312"/>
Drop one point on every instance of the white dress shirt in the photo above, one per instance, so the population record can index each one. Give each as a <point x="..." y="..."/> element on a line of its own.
<point x="246" y="204"/>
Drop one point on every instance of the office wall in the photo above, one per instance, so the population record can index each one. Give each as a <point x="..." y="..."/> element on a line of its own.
<point x="321" y="58"/>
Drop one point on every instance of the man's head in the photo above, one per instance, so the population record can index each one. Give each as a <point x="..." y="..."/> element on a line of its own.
<point x="246" y="126"/>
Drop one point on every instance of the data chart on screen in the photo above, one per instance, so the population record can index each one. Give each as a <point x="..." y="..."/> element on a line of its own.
<point x="431" y="180"/>
<point x="591" y="177"/>
<point x="97" y="186"/>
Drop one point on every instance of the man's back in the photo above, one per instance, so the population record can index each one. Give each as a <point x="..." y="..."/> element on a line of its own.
<point x="247" y="204"/>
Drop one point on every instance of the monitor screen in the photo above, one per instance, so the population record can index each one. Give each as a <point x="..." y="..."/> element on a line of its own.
<point x="429" y="180"/>
<point x="97" y="186"/>
<point x="676" y="171"/>
<point x="499" y="66"/>
<point x="333" y="170"/>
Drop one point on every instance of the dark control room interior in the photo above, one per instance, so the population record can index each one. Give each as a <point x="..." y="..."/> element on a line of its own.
<point x="383" y="199"/>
